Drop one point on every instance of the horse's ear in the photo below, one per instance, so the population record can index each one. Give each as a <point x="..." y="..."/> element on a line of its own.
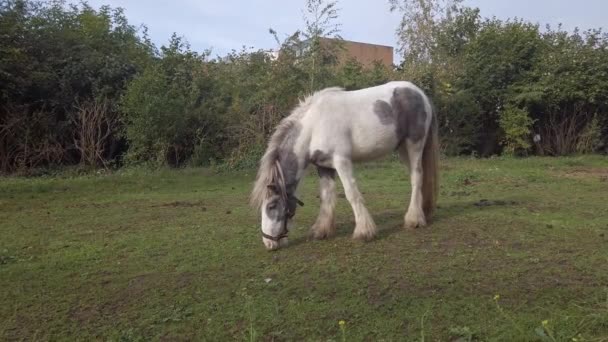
<point x="273" y="188"/>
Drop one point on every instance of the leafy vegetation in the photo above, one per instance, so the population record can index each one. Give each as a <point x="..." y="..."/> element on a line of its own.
<point x="517" y="252"/>
<point x="53" y="60"/>
<point x="556" y="77"/>
<point x="516" y="124"/>
<point x="69" y="71"/>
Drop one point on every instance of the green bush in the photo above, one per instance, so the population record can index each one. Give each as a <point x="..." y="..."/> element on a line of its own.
<point x="516" y="124"/>
<point x="590" y="138"/>
<point x="52" y="57"/>
<point x="492" y="82"/>
<point x="166" y="110"/>
<point x="459" y="122"/>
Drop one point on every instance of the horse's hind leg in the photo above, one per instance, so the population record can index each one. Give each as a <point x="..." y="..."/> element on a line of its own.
<point x="325" y="225"/>
<point x="412" y="153"/>
<point x="365" y="228"/>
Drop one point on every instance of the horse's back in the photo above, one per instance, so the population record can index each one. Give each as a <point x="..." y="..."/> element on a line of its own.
<point x="358" y="123"/>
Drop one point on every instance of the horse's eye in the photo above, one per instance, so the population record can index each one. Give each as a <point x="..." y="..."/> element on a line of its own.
<point x="272" y="206"/>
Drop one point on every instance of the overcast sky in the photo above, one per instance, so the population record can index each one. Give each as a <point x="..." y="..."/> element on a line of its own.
<point x="229" y="24"/>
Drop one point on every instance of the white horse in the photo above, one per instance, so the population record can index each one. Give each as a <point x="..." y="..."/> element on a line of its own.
<point x="333" y="129"/>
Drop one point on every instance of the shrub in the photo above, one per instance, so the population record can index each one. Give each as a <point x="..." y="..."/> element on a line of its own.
<point x="167" y="110"/>
<point x="590" y="138"/>
<point x="516" y="125"/>
<point x="458" y="116"/>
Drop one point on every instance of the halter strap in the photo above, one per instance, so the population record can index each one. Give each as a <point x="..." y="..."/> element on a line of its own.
<point x="275" y="238"/>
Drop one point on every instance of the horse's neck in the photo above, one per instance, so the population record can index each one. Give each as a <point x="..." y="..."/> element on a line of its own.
<point x="291" y="170"/>
<point x="290" y="155"/>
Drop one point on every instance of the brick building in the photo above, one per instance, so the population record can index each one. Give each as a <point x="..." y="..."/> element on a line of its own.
<point x="364" y="53"/>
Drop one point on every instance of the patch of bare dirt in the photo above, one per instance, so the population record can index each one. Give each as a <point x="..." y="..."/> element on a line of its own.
<point x="87" y="205"/>
<point x="488" y="203"/>
<point x="135" y="291"/>
<point x="586" y="172"/>
<point x="85" y="314"/>
<point x="181" y="204"/>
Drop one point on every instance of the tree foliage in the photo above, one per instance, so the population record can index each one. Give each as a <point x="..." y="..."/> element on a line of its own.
<point x="320" y="22"/>
<point x="53" y="57"/>
<point x="500" y="70"/>
<point x="80" y="85"/>
<point x="420" y="23"/>
<point x="166" y="109"/>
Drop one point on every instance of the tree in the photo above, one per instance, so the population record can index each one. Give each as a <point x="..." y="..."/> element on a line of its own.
<point x="167" y="109"/>
<point x="417" y="32"/>
<point x="53" y="56"/>
<point x="319" y="20"/>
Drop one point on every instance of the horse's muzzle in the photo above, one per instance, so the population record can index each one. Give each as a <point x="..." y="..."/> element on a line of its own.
<point x="274" y="245"/>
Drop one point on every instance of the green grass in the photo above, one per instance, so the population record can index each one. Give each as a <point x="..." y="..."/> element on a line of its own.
<point x="177" y="255"/>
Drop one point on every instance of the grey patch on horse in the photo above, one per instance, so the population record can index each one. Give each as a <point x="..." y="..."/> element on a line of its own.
<point x="319" y="158"/>
<point x="289" y="165"/>
<point x="291" y="136"/>
<point x="409" y="110"/>
<point x="275" y="209"/>
<point x="384" y="111"/>
<point x="288" y="159"/>
<point x="325" y="172"/>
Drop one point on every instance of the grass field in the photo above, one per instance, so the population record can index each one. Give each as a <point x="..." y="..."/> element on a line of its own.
<point x="518" y="252"/>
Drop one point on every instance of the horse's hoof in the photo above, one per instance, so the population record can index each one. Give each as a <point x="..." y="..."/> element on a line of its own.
<point x="365" y="237"/>
<point x="410" y="225"/>
<point x="320" y="234"/>
<point x="414" y="225"/>
<point x="413" y="222"/>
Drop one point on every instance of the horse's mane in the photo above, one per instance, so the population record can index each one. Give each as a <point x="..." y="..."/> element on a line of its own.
<point x="269" y="171"/>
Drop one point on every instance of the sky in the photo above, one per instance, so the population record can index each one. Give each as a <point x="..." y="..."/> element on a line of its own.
<point x="231" y="24"/>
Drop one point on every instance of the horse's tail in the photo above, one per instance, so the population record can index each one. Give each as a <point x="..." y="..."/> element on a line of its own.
<point x="430" y="170"/>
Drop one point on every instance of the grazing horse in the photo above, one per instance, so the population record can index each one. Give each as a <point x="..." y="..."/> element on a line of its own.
<point x="332" y="130"/>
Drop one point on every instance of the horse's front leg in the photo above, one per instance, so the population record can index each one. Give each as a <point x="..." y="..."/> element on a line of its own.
<point x="324" y="227"/>
<point x="365" y="228"/>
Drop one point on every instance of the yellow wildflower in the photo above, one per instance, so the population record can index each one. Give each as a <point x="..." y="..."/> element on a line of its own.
<point x="545" y="323"/>
<point x="342" y="323"/>
<point x="496" y="297"/>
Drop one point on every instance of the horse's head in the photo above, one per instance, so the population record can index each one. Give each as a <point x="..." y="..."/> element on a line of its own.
<point x="276" y="182"/>
<point x="278" y="208"/>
